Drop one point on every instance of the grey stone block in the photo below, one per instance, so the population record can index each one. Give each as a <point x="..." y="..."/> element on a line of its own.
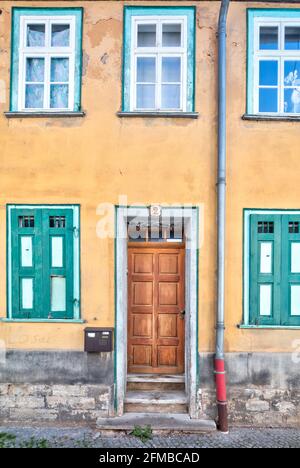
<point x="257" y="405"/>
<point x="27" y="414"/>
<point x="82" y="403"/>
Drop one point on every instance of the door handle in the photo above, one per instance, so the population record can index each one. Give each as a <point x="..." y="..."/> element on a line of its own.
<point x="182" y="314"/>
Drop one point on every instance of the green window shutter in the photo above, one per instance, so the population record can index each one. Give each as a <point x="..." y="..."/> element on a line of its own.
<point x="290" y="282"/>
<point x="42" y="254"/>
<point x="265" y="269"/>
<point x="26" y="260"/>
<point x="58" y="262"/>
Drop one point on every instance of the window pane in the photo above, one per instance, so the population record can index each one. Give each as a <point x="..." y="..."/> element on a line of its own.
<point x="292" y="100"/>
<point x="60" y="35"/>
<point x="35" y="35"/>
<point x="265" y="308"/>
<point x="266" y="257"/>
<point x="294" y="227"/>
<point x="146" y="35"/>
<point x="35" y="70"/>
<point x="27" y="293"/>
<point x="292" y="38"/>
<point x="57" y="252"/>
<point x="59" y="96"/>
<point x="26" y="221"/>
<point x="295" y="300"/>
<point x="58" y="293"/>
<point x="292" y="73"/>
<point x="146" y="70"/>
<point x="268" y="38"/>
<point x="268" y="99"/>
<point x="34" y="96"/>
<point x="171" y="69"/>
<point x="171" y="35"/>
<point x="57" y="221"/>
<point x="145" y="97"/>
<point x="170" y="98"/>
<point x="26" y="251"/>
<point x="268" y="73"/>
<point x="295" y="257"/>
<point x="59" y="70"/>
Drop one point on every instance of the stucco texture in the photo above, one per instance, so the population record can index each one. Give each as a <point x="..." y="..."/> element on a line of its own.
<point x="97" y="158"/>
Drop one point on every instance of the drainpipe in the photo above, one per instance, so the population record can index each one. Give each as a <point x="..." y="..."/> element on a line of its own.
<point x="220" y="375"/>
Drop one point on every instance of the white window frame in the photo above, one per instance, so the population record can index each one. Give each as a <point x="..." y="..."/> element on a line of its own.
<point x="159" y="52"/>
<point x="280" y="55"/>
<point x="47" y="53"/>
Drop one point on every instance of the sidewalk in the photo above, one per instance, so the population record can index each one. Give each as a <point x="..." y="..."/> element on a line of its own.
<point x="83" y="437"/>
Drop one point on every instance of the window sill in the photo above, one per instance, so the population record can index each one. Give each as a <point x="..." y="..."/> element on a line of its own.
<point x="6" y="320"/>
<point x="271" y="118"/>
<point x="269" y="327"/>
<point x="183" y="115"/>
<point x="21" y="115"/>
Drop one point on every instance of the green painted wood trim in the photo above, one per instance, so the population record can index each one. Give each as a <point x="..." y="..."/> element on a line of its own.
<point x="288" y="278"/>
<point x="129" y="12"/>
<point x="176" y="115"/>
<point x="45" y="115"/>
<point x="42" y="271"/>
<point x="267" y="327"/>
<point x="282" y="277"/>
<point x="271" y="118"/>
<point x="17" y="12"/>
<point x="253" y="13"/>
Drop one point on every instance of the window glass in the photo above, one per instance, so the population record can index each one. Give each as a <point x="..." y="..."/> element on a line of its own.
<point x="292" y="38"/>
<point x="146" y="35"/>
<point x="268" y="100"/>
<point x="268" y="73"/>
<point x="268" y="38"/>
<point x="171" y="35"/>
<point x="36" y="35"/>
<point x="60" y="35"/>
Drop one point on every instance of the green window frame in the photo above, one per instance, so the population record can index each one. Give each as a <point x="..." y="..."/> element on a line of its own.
<point x="21" y="15"/>
<point x="272" y="268"/>
<point x="43" y="262"/>
<point x="134" y="14"/>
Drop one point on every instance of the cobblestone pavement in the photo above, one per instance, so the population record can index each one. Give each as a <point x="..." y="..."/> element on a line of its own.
<point x="83" y="437"/>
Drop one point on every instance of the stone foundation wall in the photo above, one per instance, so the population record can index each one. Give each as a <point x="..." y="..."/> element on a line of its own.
<point x="54" y="403"/>
<point x="263" y="389"/>
<point x="258" y="407"/>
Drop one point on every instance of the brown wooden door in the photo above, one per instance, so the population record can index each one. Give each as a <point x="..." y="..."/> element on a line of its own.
<point x="155" y="306"/>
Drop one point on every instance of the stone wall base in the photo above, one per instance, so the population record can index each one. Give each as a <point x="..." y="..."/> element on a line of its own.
<point x="256" y="406"/>
<point x="54" y="403"/>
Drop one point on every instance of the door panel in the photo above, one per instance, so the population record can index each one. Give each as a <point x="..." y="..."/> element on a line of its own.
<point x="155" y="303"/>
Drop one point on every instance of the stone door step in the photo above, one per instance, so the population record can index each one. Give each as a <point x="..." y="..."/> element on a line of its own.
<point x="156" y="397"/>
<point x="156" y="401"/>
<point x="165" y="378"/>
<point x="162" y="422"/>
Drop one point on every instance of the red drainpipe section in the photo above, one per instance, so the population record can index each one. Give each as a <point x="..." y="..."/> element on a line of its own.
<point x="220" y="377"/>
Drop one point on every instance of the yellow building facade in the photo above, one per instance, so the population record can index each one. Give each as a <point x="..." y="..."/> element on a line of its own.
<point x="101" y="160"/>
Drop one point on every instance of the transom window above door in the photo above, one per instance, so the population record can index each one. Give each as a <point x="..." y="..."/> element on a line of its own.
<point x="158" y="59"/>
<point x="46" y="60"/>
<point x="274" y="63"/>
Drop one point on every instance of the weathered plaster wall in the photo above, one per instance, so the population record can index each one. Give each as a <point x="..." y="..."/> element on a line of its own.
<point x="95" y="159"/>
<point x="263" y="389"/>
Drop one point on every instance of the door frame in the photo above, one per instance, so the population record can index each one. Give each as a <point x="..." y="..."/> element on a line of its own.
<point x="191" y="219"/>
